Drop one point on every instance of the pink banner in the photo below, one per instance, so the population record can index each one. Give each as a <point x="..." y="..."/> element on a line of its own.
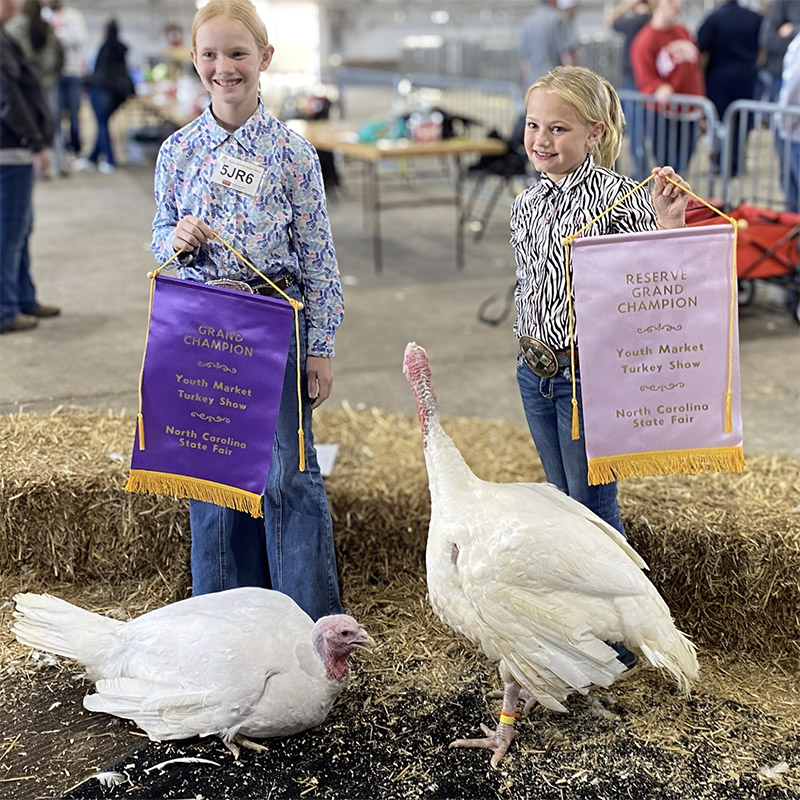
<point x="657" y="333"/>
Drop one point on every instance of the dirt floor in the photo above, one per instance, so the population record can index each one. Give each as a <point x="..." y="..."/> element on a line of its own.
<point x="738" y="736"/>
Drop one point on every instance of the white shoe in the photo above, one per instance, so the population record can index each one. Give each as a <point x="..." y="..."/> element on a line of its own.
<point x="84" y="165"/>
<point x="106" y="168"/>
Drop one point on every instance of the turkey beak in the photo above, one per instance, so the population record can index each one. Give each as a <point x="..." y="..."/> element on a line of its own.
<point x="363" y="640"/>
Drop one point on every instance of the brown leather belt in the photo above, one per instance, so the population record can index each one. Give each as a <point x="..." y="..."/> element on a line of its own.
<point x="269" y="290"/>
<point x="542" y="359"/>
<point x="266" y="289"/>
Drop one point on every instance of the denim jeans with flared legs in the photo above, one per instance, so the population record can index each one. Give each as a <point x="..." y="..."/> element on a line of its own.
<point x="291" y="549"/>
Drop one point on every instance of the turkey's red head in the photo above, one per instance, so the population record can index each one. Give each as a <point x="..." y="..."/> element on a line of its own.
<point x="334" y="638"/>
<point x="418" y="374"/>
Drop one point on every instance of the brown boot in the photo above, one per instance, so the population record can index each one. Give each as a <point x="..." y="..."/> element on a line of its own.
<point x="22" y="322"/>
<point x="46" y="311"/>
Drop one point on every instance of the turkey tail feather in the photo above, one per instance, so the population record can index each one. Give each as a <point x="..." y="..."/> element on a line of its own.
<point x="48" y="623"/>
<point x="680" y="661"/>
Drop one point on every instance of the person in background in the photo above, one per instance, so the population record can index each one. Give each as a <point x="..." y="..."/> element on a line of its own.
<point x="728" y="44"/>
<point x="283" y="229"/>
<point x="548" y="40"/>
<point x="26" y="132"/>
<point x="628" y="18"/>
<point x="109" y="87"/>
<point x="569" y="8"/>
<point x="43" y="48"/>
<point x="666" y="61"/>
<point x="788" y="128"/>
<point x="779" y="26"/>
<point x="70" y="27"/>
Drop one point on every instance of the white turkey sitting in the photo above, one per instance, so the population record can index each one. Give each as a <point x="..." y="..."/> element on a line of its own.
<point x="239" y="663"/>
<point x="536" y="580"/>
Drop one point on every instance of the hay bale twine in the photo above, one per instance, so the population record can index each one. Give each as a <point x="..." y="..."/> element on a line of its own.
<point x="724" y="549"/>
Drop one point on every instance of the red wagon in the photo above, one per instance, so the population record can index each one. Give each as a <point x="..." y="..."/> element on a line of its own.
<point x="768" y="247"/>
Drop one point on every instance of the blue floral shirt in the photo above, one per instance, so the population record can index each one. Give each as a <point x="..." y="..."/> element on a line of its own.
<point x="283" y="228"/>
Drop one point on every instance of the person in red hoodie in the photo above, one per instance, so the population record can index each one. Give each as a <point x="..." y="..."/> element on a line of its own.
<point x="666" y="61"/>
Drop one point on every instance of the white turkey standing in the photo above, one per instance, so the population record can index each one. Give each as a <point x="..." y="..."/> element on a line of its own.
<point x="239" y="663"/>
<point x="536" y="580"/>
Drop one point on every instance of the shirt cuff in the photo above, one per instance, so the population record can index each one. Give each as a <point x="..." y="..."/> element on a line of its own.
<point x="320" y="342"/>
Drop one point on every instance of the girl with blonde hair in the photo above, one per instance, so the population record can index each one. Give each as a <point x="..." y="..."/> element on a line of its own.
<point x="573" y="134"/>
<point x="278" y="219"/>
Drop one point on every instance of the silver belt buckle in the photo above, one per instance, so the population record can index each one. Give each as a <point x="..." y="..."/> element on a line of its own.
<point x="541" y="359"/>
<point x="229" y="284"/>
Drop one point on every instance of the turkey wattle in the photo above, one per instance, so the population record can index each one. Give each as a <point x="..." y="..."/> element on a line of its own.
<point x="239" y="663"/>
<point x="534" y="579"/>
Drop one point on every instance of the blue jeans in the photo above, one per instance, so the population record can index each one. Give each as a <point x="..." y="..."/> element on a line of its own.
<point x="17" y="292"/>
<point x="104" y="104"/>
<point x="70" y="92"/>
<point x="291" y="550"/>
<point x="548" y="409"/>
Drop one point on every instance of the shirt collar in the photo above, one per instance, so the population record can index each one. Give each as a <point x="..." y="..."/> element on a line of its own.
<point x="245" y="136"/>
<point x="569" y="181"/>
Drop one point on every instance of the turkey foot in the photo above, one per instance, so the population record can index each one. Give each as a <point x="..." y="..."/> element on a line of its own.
<point x="239" y="741"/>
<point x="498" y="741"/>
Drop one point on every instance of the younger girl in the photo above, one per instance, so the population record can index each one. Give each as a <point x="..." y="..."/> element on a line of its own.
<point x="573" y="136"/>
<point x="282" y="227"/>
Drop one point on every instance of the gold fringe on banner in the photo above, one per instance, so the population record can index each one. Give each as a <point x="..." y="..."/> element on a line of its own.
<point x="150" y="482"/>
<point x="665" y="462"/>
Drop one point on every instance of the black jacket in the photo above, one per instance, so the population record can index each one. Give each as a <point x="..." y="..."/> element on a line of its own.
<point x="25" y="120"/>
<point x="111" y="70"/>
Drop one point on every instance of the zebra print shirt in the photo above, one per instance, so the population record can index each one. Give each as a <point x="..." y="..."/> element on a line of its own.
<point x="545" y="214"/>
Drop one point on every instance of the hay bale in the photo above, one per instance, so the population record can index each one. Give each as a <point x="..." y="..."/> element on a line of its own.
<point x="64" y="509"/>
<point x="723" y="549"/>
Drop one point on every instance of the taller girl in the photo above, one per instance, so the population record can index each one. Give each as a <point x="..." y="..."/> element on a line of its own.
<point x="280" y="222"/>
<point x="573" y="135"/>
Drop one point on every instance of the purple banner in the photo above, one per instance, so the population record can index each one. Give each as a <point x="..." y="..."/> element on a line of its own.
<point x="211" y="390"/>
<point x="658" y="341"/>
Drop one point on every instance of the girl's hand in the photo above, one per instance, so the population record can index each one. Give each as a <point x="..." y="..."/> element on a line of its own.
<point x="669" y="200"/>
<point x="319" y="375"/>
<point x="191" y="232"/>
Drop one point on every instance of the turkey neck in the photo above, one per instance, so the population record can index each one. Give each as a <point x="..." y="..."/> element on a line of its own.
<point x="448" y="473"/>
<point x="447" y="470"/>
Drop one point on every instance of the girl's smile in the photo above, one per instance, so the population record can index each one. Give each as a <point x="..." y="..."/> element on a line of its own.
<point x="557" y="137"/>
<point x="229" y="62"/>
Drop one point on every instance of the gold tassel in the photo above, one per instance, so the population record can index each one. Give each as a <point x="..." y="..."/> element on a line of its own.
<point x="140" y="424"/>
<point x="181" y="486"/>
<point x="728" y="423"/>
<point x="666" y="462"/>
<point x="302" y="441"/>
<point x="575" y="428"/>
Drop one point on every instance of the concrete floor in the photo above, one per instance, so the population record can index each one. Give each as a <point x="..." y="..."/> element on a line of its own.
<point x="91" y="256"/>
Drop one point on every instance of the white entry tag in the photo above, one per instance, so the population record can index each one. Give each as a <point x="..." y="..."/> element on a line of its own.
<point x="234" y="173"/>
